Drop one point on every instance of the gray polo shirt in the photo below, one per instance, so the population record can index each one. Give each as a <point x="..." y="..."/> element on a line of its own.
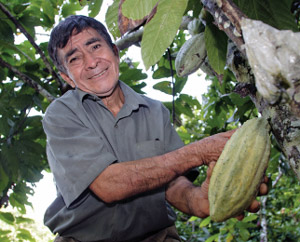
<point x="83" y="138"/>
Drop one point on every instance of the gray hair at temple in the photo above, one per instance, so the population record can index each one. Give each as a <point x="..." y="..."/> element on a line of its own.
<point x="61" y="34"/>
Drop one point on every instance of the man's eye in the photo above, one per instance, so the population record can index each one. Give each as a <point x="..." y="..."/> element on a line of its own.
<point x="97" y="46"/>
<point x="72" y="60"/>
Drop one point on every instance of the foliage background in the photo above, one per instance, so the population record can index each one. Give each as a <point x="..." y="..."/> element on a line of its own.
<point x="28" y="82"/>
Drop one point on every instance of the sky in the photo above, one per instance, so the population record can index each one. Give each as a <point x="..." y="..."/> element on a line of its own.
<point x="45" y="191"/>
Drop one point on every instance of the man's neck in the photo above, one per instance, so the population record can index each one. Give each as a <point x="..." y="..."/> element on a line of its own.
<point x="115" y="101"/>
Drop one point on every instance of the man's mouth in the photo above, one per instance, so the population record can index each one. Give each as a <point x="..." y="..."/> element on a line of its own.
<point x="99" y="74"/>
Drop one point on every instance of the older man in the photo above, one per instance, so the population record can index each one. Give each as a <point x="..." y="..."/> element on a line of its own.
<point x="117" y="161"/>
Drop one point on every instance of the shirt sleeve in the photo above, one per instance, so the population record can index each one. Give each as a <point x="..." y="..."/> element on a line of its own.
<point x="76" y="154"/>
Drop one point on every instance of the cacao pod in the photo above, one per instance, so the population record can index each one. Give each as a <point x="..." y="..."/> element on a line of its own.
<point x="239" y="170"/>
<point x="191" y="55"/>
<point x="194" y="27"/>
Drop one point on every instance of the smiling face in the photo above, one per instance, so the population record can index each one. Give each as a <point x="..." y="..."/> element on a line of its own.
<point x="91" y="64"/>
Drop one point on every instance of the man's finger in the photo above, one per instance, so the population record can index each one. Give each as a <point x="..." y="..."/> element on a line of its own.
<point x="254" y="206"/>
<point x="240" y="217"/>
<point x="263" y="189"/>
<point x="210" y="169"/>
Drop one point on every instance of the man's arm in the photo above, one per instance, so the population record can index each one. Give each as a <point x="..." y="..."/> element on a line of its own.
<point x="122" y="180"/>
<point x="193" y="200"/>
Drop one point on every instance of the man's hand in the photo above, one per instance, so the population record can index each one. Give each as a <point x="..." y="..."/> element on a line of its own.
<point x="255" y="205"/>
<point x="210" y="148"/>
<point x="186" y="197"/>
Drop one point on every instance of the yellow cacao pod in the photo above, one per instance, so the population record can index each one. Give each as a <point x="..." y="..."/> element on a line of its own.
<point x="191" y="55"/>
<point x="239" y="170"/>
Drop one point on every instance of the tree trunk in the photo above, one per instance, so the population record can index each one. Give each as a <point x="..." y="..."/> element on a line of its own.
<point x="284" y="117"/>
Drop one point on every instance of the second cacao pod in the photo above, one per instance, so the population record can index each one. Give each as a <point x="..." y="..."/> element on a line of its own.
<point x="191" y="55"/>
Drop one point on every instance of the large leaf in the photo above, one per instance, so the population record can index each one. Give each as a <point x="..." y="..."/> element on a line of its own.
<point x="216" y="42"/>
<point x="111" y="19"/>
<point x="69" y="9"/>
<point x="25" y="235"/>
<point x="195" y="7"/>
<point x="135" y="10"/>
<point x="276" y="13"/>
<point x="7" y="217"/>
<point x="48" y="10"/>
<point x="94" y="7"/>
<point x="161" y="30"/>
<point x="164" y="86"/>
<point x="133" y="74"/>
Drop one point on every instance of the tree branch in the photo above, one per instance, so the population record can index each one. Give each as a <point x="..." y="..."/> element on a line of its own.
<point x="136" y="36"/>
<point x="31" y="40"/>
<point x="130" y="39"/>
<point x="263" y="217"/>
<point x="28" y="80"/>
<point x="227" y="17"/>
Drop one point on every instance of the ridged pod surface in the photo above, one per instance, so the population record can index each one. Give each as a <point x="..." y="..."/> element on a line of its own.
<point x="239" y="170"/>
<point x="191" y="55"/>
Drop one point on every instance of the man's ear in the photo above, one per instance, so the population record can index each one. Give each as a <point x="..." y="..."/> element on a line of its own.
<point x="116" y="50"/>
<point x="67" y="79"/>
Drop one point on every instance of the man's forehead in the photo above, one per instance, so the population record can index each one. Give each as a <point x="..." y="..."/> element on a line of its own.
<point x="87" y="33"/>
<point x="85" y="37"/>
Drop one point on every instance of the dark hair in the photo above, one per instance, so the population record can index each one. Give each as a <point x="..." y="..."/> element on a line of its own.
<point x="61" y="34"/>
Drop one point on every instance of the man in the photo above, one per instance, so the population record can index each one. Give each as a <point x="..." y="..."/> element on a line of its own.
<point x="117" y="161"/>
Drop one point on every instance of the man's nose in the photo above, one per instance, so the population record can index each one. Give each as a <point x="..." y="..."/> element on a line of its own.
<point x="91" y="61"/>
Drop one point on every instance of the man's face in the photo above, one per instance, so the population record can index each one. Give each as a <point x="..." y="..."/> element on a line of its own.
<point x="91" y="64"/>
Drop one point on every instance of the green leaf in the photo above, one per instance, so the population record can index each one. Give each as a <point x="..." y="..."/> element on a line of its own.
<point x="161" y="30"/>
<point x="133" y="74"/>
<point x="94" y="7"/>
<point x="182" y="107"/>
<point x="48" y="9"/>
<point x="4" y="179"/>
<point x="244" y="233"/>
<point x="281" y="11"/>
<point x="21" y="220"/>
<point x="276" y="13"/>
<point x="229" y="237"/>
<point x="7" y="217"/>
<point x="190" y="100"/>
<point x="111" y="19"/>
<point x="193" y="218"/>
<point x="161" y="72"/>
<point x="195" y="7"/>
<point x="4" y="232"/>
<point x="19" y="8"/>
<point x="30" y="20"/>
<point x="164" y="86"/>
<point x="6" y="33"/>
<point x="179" y="84"/>
<point x="69" y="9"/>
<point x="216" y="42"/>
<point x="134" y="9"/>
<point x="250" y="218"/>
<point x="25" y="235"/>
<point x="205" y="222"/>
<point x="15" y="48"/>
<point x="212" y="238"/>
